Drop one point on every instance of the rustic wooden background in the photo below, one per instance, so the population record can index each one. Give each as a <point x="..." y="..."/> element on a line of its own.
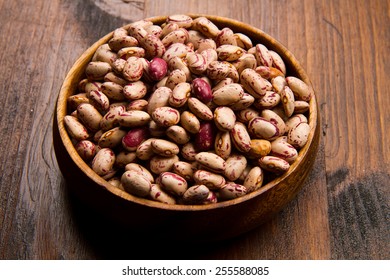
<point x="342" y="211"/>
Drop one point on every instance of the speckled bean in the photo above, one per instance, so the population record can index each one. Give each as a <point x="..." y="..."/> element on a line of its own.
<point x="157" y="194"/>
<point x="111" y="138"/>
<point x="211" y="161"/>
<point x="196" y="194"/>
<point x="240" y="137"/>
<point x="200" y="109"/>
<point x="75" y="128"/>
<point x="254" y="180"/>
<point x="235" y="165"/>
<point x="166" y="116"/>
<point x="159" y="164"/>
<point x="134" y="90"/>
<point x="178" y="134"/>
<point x="86" y="150"/>
<point x="103" y="161"/>
<point x="231" y="191"/>
<point x="134" y="183"/>
<point x="274" y="164"/>
<point x="173" y="183"/>
<point x="141" y="170"/>
<point x="89" y="116"/>
<point x="298" y="135"/>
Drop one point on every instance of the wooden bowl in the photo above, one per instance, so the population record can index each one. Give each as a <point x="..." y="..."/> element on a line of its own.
<point x="204" y="222"/>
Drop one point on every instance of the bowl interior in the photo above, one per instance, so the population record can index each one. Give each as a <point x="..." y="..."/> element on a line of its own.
<point x="76" y="73"/>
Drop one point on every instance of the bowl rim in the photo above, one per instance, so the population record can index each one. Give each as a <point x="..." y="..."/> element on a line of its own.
<point x="74" y="75"/>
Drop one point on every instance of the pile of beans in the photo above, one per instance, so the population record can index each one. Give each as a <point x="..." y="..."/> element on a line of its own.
<point x="187" y="113"/>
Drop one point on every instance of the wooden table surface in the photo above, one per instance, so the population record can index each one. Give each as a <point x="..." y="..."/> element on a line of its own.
<point x="342" y="211"/>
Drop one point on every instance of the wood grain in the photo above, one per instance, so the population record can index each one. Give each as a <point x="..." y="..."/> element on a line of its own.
<point x="342" y="211"/>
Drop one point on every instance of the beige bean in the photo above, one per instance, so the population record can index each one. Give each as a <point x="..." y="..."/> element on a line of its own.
<point x="178" y="134"/>
<point x="116" y="182"/>
<point x="294" y="120"/>
<point x="263" y="56"/>
<point x="211" y="161"/>
<point x="277" y="61"/>
<point x="263" y="129"/>
<point x="89" y="86"/>
<point x="157" y="194"/>
<point x="184" y="169"/>
<point x="141" y="170"/>
<point x="288" y="101"/>
<point x="247" y="114"/>
<point x="75" y="128"/>
<point x="183" y="21"/>
<point x="196" y="194"/>
<point x="144" y="151"/>
<point x="75" y="100"/>
<point x="133" y="118"/>
<point x="179" y="63"/>
<point x="154" y="30"/>
<point x="253" y="83"/>
<point x="245" y="61"/>
<point x="226" y="37"/>
<point x="240" y="137"/>
<point x="134" y="183"/>
<point x="86" y="150"/>
<point x="119" y="32"/>
<point x="110" y="119"/>
<point x="194" y="37"/>
<point x="111" y="138"/>
<point x="200" y="109"/>
<point x="152" y="45"/>
<point x="176" y="77"/>
<point x="103" y="161"/>
<point x="118" y="66"/>
<point x="231" y="191"/>
<point x="118" y="42"/>
<point x="274" y="118"/>
<point x="246" y="100"/>
<point x="210" y="55"/>
<point x="274" y="164"/>
<point x="211" y="180"/>
<point x="159" y="98"/>
<point x="222" y="83"/>
<point x="301" y="90"/>
<point x="301" y="106"/>
<point x="188" y="151"/>
<point x="243" y="41"/>
<point x="166" y="116"/>
<point x="278" y="83"/>
<point x="298" y="135"/>
<point x="270" y="100"/>
<point x="159" y="164"/>
<point x="140" y="105"/>
<point x="99" y="100"/>
<point x="268" y="73"/>
<point x="124" y="157"/>
<point x="218" y="70"/>
<point x="177" y="49"/>
<point x="177" y="36"/>
<point x="224" y="118"/>
<point x="235" y="165"/>
<point x="168" y="28"/>
<point x="229" y="52"/>
<point x="164" y="148"/>
<point x="206" y="27"/>
<point x="89" y="116"/>
<point x="134" y="90"/>
<point x="180" y="94"/>
<point x="173" y="183"/>
<point x="126" y="53"/>
<point x="113" y="91"/>
<point x="133" y="69"/>
<point x="223" y="145"/>
<point x="280" y="148"/>
<point x="189" y="122"/>
<point x="196" y="62"/>
<point x="96" y="70"/>
<point x="228" y="94"/>
<point x="254" y="180"/>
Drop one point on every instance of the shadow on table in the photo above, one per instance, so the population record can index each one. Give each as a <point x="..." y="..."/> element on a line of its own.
<point x="109" y="240"/>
